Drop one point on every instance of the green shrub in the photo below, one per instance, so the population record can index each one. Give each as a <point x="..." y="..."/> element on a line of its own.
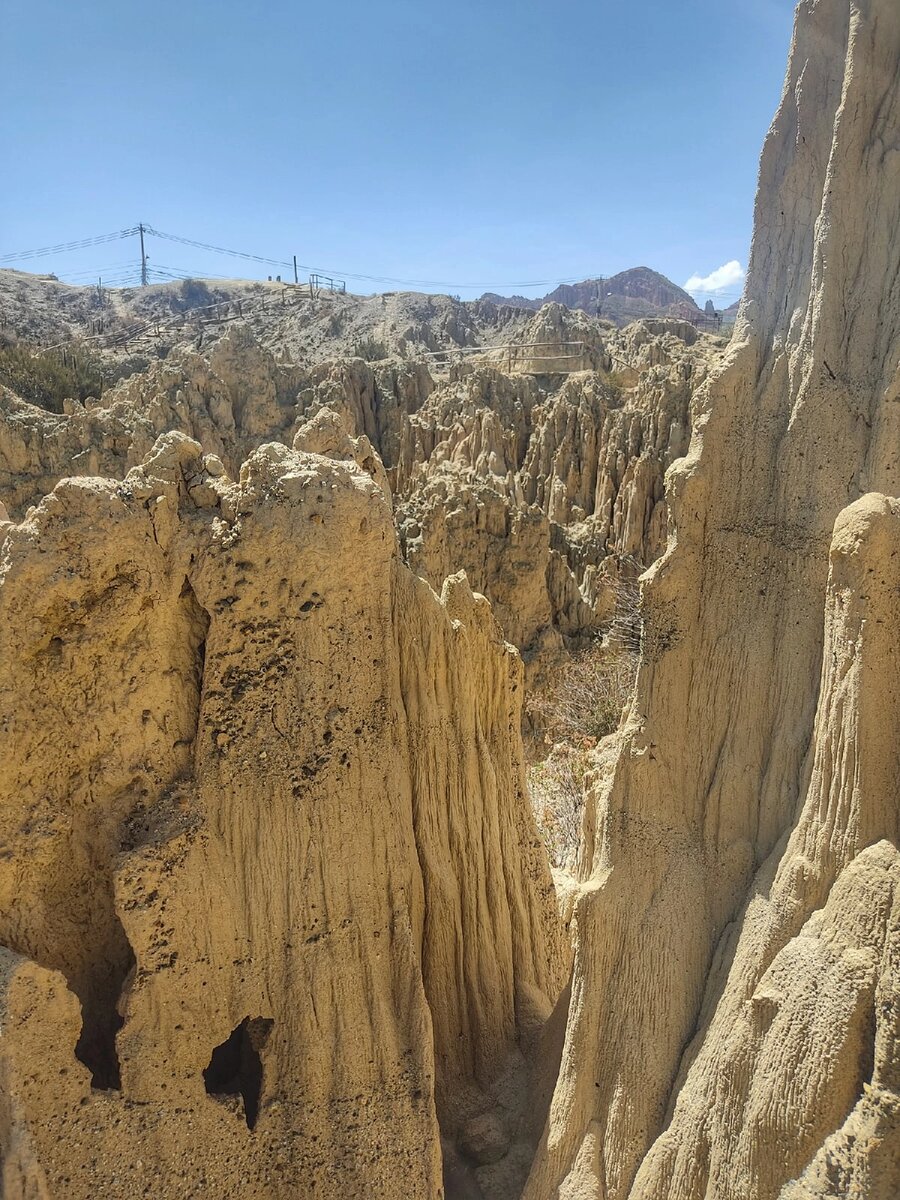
<point x="48" y="378"/>
<point x="370" y="349"/>
<point x="196" y="293"/>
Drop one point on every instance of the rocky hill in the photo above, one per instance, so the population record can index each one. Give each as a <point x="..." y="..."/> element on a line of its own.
<point x="527" y="449"/>
<point x="275" y="916"/>
<point x="183" y="554"/>
<point x="628" y="296"/>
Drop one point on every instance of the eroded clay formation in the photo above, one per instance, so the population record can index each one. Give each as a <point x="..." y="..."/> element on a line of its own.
<point x="544" y="487"/>
<point x="264" y="819"/>
<point x="275" y="918"/>
<point x="735" y="1025"/>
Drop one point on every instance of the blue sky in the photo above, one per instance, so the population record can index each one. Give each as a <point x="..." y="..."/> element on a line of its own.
<point x="478" y="146"/>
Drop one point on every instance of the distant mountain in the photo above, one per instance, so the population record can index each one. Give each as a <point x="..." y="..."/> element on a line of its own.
<point x="621" y="298"/>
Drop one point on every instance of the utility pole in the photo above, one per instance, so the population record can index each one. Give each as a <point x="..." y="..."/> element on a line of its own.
<point x="143" y="258"/>
<point x="296" y="278"/>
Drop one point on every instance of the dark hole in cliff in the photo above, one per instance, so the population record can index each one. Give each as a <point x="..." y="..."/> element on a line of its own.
<point x="196" y="622"/>
<point x="236" y="1068"/>
<point x="100" y="1020"/>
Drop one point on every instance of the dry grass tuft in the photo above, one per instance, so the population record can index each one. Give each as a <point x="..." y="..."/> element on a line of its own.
<point x="584" y="702"/>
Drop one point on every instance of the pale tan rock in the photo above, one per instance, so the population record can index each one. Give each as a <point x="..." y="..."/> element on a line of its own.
<point x="732" y="1033"/>
<point x="264" y="798"/>
<point x="262" y="789"/>
<point x="532" y="495"/>
<point x="326" y="434"/>
<point x="484" y="1138"/>
<point x="470" y="460"/>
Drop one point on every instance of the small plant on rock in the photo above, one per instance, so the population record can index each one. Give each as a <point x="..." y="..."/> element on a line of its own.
<point x="556" y="787"/>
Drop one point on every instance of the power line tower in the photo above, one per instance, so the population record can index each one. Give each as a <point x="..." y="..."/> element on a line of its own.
<point x="143" y="258"/>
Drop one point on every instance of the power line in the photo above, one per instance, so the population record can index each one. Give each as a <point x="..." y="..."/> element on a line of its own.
<point x="109" y="270"/>
<point x="171" y="237"/>
<point x="278" y="262"/>
<point x="124" y="280"/>
<point x="142" y="229"/>
<point x="64" y="247"/>
<point x="182" y="273"/>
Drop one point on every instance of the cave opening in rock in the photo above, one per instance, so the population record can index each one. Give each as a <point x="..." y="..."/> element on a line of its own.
<point x="101" y="1020"/>
<point x="236" y="1067"/>
<point x="197" y="621"/>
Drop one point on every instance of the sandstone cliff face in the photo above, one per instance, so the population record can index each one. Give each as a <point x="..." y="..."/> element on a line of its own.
<point x="734" y="1022"/>
<point x="223" y="698"/>
<point x="275" y="919"/>
<point x="272" y="902"/>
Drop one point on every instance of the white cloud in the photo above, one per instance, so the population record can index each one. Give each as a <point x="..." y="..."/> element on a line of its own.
<point x="727" y="278"/>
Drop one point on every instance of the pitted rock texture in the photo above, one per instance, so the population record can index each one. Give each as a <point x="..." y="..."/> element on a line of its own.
<point x="733" y="1029"/>
<point x="275" y="918"/>
<point x="537" y="496"/>
<point x="544" y="488"/>
<point x="269" y="882"/>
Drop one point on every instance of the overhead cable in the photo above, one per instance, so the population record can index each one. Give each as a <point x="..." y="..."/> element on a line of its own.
<point x="63" y="247"/>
